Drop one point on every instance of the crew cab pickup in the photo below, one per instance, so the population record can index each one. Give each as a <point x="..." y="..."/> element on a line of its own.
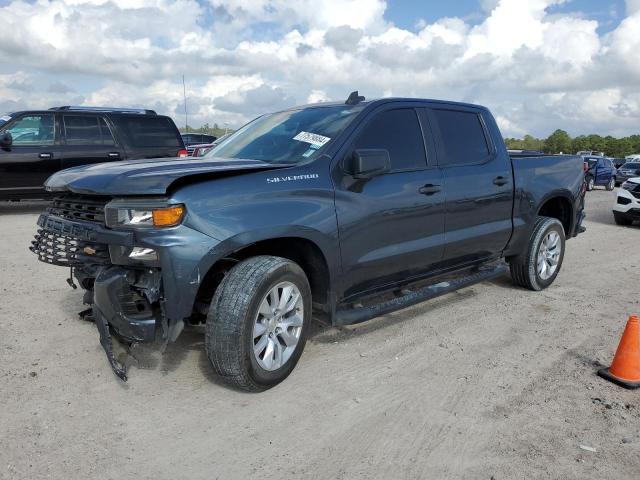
<point x="343" y="211"/>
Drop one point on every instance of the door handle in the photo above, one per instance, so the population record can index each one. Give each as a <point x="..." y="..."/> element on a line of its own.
<point x="45" y="155"/>
<point x="429" y="189"/>
<point x="113" y="155"/>
<point x="500" y="181"/>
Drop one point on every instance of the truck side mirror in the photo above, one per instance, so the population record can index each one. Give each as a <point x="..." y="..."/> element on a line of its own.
<point x="5" y="139"/>
<point x="368" y="163"/>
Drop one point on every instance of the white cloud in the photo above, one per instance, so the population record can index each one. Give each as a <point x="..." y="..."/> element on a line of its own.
<point x="536" y="71"/>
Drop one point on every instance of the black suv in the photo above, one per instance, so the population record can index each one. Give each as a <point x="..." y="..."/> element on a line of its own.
<point x="35" y="144"/>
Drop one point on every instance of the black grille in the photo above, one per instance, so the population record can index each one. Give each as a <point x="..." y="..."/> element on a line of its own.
<point x="58" y="249"/>
<point x="633" y="188"/>
<point x="79" y="207"/>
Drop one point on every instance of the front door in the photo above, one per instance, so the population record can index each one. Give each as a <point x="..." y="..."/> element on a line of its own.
<point x="33" y="156"/>
<point x="391" y="227"/>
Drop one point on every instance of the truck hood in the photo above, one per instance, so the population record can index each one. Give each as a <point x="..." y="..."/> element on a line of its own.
<point x="147" y="177"/>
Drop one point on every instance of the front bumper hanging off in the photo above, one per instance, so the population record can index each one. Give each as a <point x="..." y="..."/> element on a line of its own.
<point x="118" y="368"/>
<point x="130" y="302"/>
<point x="121" y="299"/>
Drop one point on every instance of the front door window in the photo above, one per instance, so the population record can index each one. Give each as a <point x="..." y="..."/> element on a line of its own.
<point x="33" y="130"/>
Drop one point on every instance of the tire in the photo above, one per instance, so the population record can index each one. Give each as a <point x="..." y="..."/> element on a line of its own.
<point x="525" y="268"/>
<point x="590" y="183"/>
<point x="611" y="185"/>
<point x="622" y="220"/>
<point x="237" y="308"/>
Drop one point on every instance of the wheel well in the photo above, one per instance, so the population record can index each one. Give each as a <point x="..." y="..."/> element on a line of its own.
<point x="299" y="250"/>
<point x="560" y="208"/>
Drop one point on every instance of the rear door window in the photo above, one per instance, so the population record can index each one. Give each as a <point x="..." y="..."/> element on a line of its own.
<point x="463" y="137"/>
<point x="82" y="130"/>
<point x="107" y="136"/>
<point x="398" y="132"/>
<point x="148" y="131"/>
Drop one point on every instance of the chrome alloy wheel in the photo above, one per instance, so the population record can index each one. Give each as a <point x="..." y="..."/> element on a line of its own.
<point x="549" y="255"/>
<point x="278" y="325"/>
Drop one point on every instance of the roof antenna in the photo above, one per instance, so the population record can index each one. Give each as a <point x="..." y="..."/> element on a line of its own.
<point x="354" y="98"/>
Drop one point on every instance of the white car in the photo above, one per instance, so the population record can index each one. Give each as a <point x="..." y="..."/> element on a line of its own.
<point x="626" y="209"/>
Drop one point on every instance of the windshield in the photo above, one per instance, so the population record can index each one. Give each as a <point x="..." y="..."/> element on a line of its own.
<point x="4" y="119"/>
<point x="287" y="137"/>
<point x="631" y="166"/>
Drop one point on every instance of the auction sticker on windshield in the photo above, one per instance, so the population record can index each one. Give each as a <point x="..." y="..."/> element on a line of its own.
<point x="312" y="138"/>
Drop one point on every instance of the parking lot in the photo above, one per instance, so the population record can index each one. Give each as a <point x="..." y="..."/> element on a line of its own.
<point x="491" y="381"/>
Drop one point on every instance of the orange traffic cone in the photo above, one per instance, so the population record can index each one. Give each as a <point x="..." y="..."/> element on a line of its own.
<point x="625" y="369"/>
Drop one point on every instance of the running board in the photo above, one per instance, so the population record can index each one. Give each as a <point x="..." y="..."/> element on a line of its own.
<point x="349" y="316"/>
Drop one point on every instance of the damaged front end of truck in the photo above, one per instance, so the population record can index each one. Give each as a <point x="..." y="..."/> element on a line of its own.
<point x="119" y="252"/>
<point x="137" y="251"/>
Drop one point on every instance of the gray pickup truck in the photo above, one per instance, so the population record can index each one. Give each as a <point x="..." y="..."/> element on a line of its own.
<point x="341" y="211"/>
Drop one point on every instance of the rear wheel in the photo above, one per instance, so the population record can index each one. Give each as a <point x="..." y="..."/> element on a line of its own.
<point x="590" y="183"/>
<point x="539" y="265"/>
<point x="258" y="322"/>
<point x="612" y="184"/>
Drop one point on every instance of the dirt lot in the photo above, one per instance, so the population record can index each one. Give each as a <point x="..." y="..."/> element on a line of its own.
<point x="489" y="382"/>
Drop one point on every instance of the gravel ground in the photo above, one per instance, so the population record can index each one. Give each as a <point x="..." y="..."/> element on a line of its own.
<point x="489" y="382"/>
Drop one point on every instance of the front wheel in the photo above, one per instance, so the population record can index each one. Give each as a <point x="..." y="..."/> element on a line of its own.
<point x="258" y="322"/>
<point x="612" y="184"/>
<point x="538" y="266"/>
<point x="591" y="183"/>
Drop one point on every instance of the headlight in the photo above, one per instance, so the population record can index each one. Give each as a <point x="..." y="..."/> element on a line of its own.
<point x="144" y="217"/>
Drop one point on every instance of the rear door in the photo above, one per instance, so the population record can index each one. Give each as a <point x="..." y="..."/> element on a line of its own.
<point x="148" y="136"/>
<point x="603" y="171"/>
<point x="33" y="156"/>
<point x="391" y="228"/>
<point x="478" y="184"/>
<point x="87" y="139"/>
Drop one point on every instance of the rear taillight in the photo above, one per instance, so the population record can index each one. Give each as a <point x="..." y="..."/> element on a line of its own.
<point x="585" y="166"/>
<point x="182" y="153"/>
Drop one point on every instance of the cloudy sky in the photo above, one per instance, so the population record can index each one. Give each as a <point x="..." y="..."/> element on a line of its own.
<point x="538" y="64"/>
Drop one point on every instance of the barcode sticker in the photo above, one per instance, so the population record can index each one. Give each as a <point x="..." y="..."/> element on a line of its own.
<point x="311" y="138"/>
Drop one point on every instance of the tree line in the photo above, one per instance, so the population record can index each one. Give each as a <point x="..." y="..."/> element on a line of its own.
<point x="207" y="129"/>
<point x="561" y="142"/>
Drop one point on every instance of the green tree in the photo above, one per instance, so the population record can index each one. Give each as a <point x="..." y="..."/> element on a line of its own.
<point x="558" y="142"/>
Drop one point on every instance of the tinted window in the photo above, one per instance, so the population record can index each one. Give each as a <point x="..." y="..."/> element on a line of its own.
<point x="82" y="130"/>
<point x="398" y="132"/>
<point x="107" y="136"/>
<point x="148" y="131"/>
<point x="631" y="166"/>
<point x="33" y="130"/>
<point x="463" y="137"/>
